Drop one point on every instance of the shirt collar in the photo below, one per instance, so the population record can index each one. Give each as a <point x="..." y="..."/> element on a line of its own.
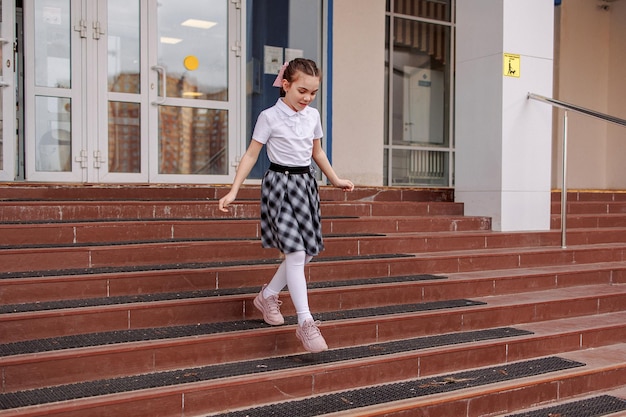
<point x="286" y="109"/>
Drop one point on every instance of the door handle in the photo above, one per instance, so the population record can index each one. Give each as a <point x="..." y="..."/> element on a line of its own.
<point x="161" y="99"/>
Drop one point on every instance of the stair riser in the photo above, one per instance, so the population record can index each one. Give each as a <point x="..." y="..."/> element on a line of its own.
<point x="18" y="260"/>
<point x="111" y="232"/>
<point x="130" y="192"/>
<point x="25" y="212"/>
<point x="602" y="207"/>
<point x="590" y="221"/>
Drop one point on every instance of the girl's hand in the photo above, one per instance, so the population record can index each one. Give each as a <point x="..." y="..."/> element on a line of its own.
<point x="226" y="200"/>
<point x="345" y="185"/>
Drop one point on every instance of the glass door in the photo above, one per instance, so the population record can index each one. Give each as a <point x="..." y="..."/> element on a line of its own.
<point x="122" y="72"/>
<point x="8" y="139"/>
<point x="131" y="90"/>
<point x="54" y="151"/>
<point x="193" y="90"/>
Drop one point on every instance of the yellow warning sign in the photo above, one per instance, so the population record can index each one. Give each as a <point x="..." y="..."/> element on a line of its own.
<point x="511" y="65"/>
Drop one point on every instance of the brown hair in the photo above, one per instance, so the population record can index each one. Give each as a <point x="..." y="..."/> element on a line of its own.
<point x="306" y="66"/>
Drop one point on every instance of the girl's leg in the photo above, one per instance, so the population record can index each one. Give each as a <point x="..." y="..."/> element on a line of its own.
<point x="307" y="330"/>
<point x="296" y="281"/>
<point x="278" y="282"/>
<point x="267" y="301"/>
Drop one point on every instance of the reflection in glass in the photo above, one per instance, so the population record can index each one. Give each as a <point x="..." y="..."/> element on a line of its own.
<point x="53" y="152"/>
<point x="193" y="140"/>
<point x="123" y="46"/>
<point x="193" y="48"/>
<point x="52" y="43"/>
<point x="420" y="83"/>
<point x="297" y="27"/>
<point x="413" y="166"/>
<point x="431" y="9"/>
<point x="124" y="137"/>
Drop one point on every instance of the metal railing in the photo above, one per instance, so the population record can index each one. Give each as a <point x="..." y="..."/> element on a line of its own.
<point x="592" y="113"/>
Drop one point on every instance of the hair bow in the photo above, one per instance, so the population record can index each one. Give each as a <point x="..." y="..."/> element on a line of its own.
<point x="278" y="82"/>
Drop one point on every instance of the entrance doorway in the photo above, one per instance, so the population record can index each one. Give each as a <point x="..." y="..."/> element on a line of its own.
<point x="124" y="90"/>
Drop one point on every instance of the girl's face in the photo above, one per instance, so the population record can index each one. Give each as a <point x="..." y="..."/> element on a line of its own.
<point x="301" y="91"/>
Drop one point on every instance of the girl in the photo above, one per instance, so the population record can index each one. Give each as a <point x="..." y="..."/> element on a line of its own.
<point x="290" y="208"/>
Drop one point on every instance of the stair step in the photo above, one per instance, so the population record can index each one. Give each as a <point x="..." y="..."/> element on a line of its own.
<point x="24" y="321"/>
<point x="476" y="391"/>
<point x="75" y="233"/>
<point x="589" y="207"/>
<point x="578" y="324"/>
<point x="579" y="221"/>
<point x="147" y="254"/>
<point x="437" y="354"/>
<point x="250" y="368"/>
<point x="137" y="192"/>
<point x="597" y="406"/>
<point x="106" y="282"/>
<point x="510" y="394"/>
<point x="114" y="210"/>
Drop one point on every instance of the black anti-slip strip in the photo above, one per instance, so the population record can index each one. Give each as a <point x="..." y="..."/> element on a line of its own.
<point x="365" y="397"/>
<point x="93" y="302"/>
<point x="138" y="335"/>
<point x="161" y="379"/>
<point x="591" y="407"/>
<point x="196" y="265"/>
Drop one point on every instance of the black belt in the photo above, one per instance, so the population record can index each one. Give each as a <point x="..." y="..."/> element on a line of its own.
<point x="289" y="170"/>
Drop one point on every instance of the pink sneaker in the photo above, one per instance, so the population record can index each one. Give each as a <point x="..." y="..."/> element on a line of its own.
<point x="270" y="307"/>
<point x="311" y="337"/>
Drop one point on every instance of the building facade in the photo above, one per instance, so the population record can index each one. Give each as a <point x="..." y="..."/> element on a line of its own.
<point x="414" y="92"/>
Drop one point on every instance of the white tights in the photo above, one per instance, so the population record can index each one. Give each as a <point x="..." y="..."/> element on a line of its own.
<point x="290" y="273"/>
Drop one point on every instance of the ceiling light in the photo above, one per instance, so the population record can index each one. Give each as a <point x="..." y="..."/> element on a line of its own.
<point x="199" y="24"/>
<point x="171" y="41"/>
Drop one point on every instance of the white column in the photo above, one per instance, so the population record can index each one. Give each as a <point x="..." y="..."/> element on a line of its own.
<point x="503" y="140"/>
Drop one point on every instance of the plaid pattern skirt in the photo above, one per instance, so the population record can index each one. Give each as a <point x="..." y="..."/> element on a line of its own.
<point x="290" y="213"/>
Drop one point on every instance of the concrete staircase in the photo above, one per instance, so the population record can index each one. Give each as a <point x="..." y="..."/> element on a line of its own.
<point x="137" y="301"/>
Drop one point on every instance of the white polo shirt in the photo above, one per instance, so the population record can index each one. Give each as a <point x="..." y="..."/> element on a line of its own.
<point x="288" y="134"/>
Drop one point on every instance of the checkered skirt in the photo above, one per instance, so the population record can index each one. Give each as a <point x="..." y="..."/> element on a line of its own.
<point x="290" y="213"/>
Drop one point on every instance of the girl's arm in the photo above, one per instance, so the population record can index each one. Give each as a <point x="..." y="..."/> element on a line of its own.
<point x="320" y="158"/>
<point x="245" y="166"/>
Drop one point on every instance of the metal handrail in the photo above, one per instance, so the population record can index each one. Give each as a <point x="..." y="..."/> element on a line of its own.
<point x="581" y="110"/>
<point x="578" y="109"/>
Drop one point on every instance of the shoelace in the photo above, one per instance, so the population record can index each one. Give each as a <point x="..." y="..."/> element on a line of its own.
<point x="310" y="330"/>
<point x="274" y="304"/>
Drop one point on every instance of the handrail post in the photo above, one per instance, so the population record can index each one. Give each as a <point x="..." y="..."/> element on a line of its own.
<point x="564" y="185"/>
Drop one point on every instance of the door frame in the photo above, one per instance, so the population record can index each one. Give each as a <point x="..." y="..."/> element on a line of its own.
<point x="8" y="92"/>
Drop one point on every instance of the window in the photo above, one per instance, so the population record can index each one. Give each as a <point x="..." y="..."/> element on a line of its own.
<point x="418" y="93"/>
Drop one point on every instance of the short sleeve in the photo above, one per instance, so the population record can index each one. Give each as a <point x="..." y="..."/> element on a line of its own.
<point x="262" y="130"/>
<point x="317" y="130"/>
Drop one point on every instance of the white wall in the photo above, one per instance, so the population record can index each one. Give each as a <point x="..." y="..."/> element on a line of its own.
<point x="503" y="141"/>
<point x="358" y="90"/>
